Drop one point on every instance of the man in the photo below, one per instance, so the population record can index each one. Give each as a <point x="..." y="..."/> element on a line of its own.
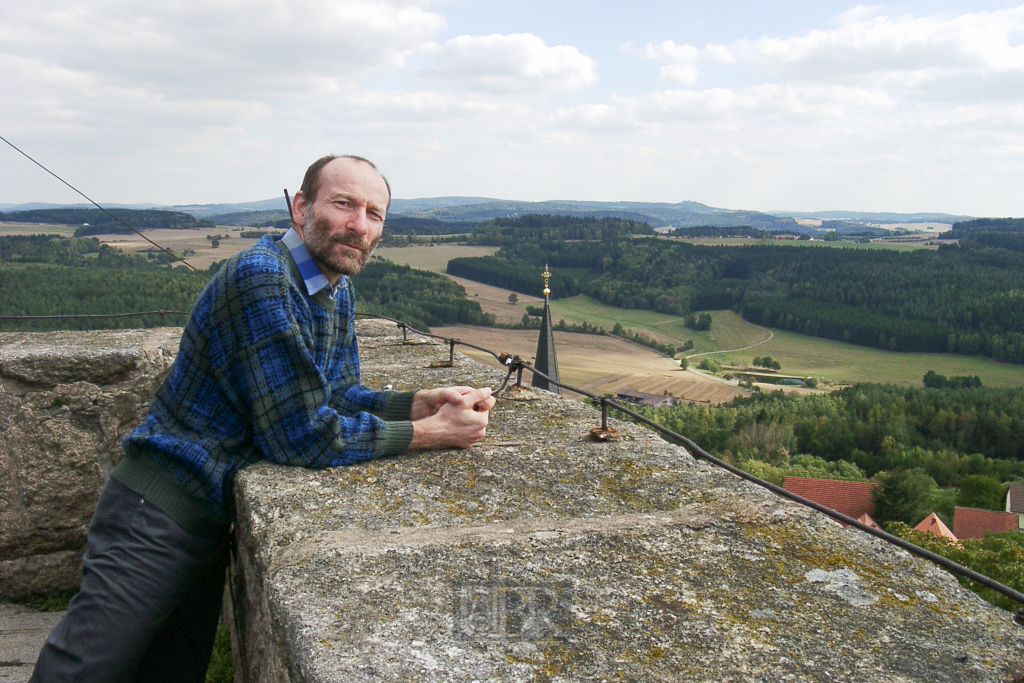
<point x="268" y="369"/>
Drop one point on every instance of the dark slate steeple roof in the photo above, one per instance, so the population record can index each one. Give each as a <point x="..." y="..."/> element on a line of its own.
<point x="545" y="360"/>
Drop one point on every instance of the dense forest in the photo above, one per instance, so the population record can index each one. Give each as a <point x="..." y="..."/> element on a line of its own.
<point x="952" y="439"/>
<point x="716" y="231"/>
<point x="270" y="218"/>
<point x="984" y="225"/>
<point x="957" y="299"/>
<point x="53" y="275"/>
<point x="50" y="275"/>
<point x="417" y="297"/>
<point x="547" y="230"/>
<point x="999" y="233"/>
<point x="112" y="222"/>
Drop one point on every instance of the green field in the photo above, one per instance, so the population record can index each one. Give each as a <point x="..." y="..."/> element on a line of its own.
<point x="830" y="361"/>
<point x="37" y="229"/>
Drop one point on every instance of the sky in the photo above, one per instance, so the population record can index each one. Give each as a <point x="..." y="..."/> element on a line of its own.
<point x="773" y="105"/>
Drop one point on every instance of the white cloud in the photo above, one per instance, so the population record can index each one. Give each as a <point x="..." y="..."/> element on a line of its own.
<point x="918" y="56"/>
<point x="510" y="64"/>
<point x="907" y="53"/>
<point x="215" y="102"/>
<point x="681" y="68"/>
<point x="221" y="48"/>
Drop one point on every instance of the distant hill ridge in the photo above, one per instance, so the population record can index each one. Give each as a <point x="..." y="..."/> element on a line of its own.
<point x="476" y="209"/>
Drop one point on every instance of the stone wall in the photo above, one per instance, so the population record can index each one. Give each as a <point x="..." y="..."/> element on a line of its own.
<point x="540" y="555"/>
<point x="537" y="555"/>
<point x="66" y="399"/>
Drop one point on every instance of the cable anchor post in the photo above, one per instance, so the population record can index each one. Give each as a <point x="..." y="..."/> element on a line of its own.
<point x="604" y="432"/>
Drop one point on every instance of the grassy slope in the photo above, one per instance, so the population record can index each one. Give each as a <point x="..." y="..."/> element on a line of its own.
<point x="832" y="361"/>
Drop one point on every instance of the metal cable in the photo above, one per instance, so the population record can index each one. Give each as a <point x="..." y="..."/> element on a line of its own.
<point x="515" y="363"/>
<point x="955" y="567"/>
<point x="90" y="200"/>
<point x="90" y="315"/>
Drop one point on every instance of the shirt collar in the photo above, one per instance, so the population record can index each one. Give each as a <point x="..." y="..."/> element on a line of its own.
<point x="309" y="269"/>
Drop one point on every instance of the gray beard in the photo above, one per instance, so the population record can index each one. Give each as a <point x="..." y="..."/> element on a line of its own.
<point x="318" y="240"/>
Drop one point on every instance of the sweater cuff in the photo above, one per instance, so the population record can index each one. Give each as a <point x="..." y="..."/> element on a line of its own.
<point x="397" y="437"/>
<point x="398" y="406"/>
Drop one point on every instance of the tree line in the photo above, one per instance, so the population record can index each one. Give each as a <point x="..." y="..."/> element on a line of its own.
<point x="97" y="222"/>
<point x="548" y="229"/>
<point x="420" y="298"/>
<point x="867" y="429"/>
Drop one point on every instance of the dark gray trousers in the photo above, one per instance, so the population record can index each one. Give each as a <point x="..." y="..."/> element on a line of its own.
<point x="149" y="601"/>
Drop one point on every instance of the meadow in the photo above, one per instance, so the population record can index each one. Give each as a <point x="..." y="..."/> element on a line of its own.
<point x="734" y="341"/>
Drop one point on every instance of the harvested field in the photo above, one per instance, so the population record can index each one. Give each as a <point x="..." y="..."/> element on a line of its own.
<point x="599" y="364"/>
<point x="180" y="240"/>
<point x="492" y="300"/>
<point x="175" y="240"/>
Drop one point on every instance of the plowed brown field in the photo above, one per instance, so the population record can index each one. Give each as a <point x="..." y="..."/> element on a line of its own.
<point x="599" y="364"/>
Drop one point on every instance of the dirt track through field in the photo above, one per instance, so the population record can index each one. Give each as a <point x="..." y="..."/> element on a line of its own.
<point x="599" y="364"/>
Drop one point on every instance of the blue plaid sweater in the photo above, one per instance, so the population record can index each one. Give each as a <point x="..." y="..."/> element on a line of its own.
<point x="268" y="369"/>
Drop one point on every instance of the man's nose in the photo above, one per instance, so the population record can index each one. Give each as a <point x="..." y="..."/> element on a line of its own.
<point x="358" y="222"/>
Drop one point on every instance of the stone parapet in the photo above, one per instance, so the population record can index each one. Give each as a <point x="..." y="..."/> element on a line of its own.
<point x="66" y="399"/>
<point x="541" y="555"/>
<point x="536" y="555"/>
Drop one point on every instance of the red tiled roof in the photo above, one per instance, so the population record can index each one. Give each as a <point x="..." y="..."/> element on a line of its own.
<point x="852" y="498"/>
<point x="935" y="525"/>
<point x="866" y="519"/>
<point x="975" y="523"/>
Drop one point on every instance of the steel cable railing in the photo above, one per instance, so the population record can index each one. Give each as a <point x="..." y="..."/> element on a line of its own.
<point x="90" y="315"/>
<point x="516" y="364"/>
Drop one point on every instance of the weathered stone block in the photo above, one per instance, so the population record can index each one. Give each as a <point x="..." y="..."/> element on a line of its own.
<point x="66" y="400"/>
<point x="541" y="555"/>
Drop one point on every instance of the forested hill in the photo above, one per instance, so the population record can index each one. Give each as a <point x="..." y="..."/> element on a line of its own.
<point x="957" y="299"/>
<point x="1002" y="233"/>
<point x="50" y="275"/>
<point x="973" y="227"/>
<point x="97" y="222"/>
<point x="681" y="214"/>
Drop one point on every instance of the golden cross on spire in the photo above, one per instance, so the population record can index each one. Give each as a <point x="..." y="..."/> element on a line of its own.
<point x="547" y="276"/>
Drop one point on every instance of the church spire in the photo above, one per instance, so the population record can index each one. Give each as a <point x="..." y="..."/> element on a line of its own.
<point x="545" y="360"/>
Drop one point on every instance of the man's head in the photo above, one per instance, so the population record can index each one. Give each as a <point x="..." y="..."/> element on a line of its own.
<point x="339" y="212"/>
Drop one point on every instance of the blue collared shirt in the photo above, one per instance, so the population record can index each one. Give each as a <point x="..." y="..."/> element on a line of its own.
<point x="312" y="275"/>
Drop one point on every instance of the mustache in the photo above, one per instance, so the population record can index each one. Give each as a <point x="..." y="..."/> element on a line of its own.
<point x="354" y="241"/>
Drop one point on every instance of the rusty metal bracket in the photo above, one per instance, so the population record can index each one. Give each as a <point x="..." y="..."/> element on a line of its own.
<point x="604" y="432"/>
<point x="450" y="363"/>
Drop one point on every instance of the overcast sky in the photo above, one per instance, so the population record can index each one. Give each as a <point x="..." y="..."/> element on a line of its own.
<point x="788" y="104"/>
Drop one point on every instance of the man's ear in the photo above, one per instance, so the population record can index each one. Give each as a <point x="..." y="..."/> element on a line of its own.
<point x="299" y="207"/>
